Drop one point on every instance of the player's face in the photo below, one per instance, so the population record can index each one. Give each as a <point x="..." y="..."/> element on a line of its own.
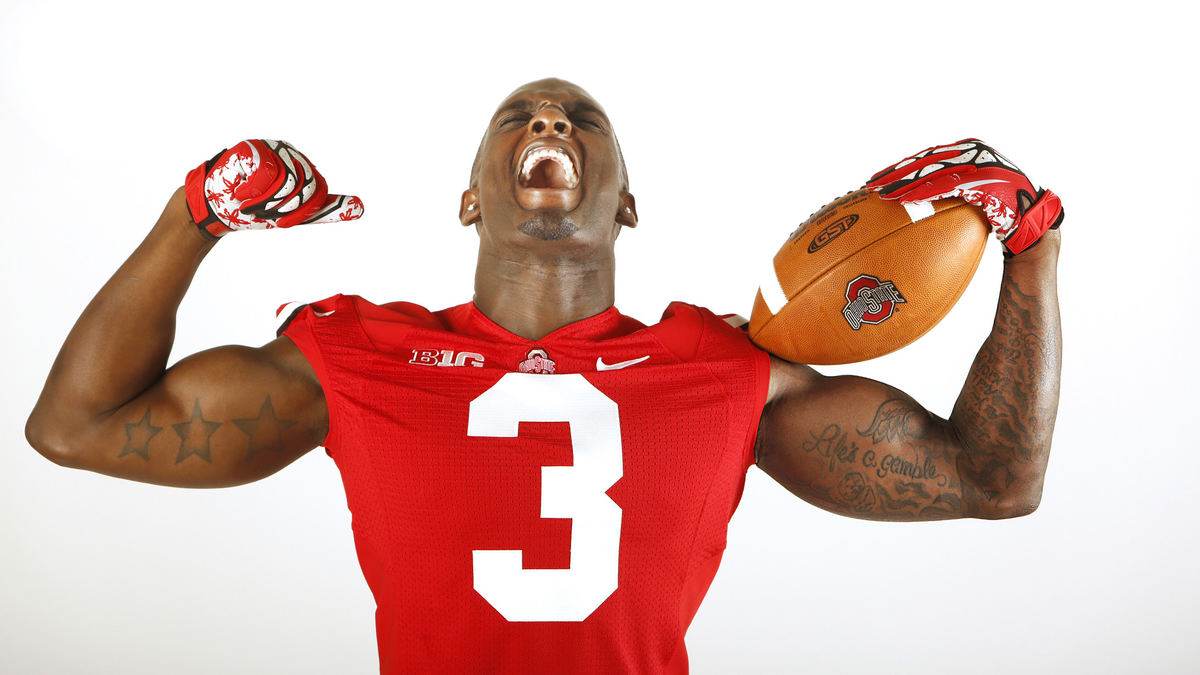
<point x="549" y="170"/>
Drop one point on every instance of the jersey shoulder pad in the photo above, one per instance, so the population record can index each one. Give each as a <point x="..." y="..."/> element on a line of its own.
<point x="290" y="312"/>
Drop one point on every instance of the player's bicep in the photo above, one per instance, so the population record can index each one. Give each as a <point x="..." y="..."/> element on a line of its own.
<point x="221" y="417"/>
<point x="858" y="447"/>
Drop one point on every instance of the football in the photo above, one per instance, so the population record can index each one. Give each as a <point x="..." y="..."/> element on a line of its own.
<point x="865" y="276"/>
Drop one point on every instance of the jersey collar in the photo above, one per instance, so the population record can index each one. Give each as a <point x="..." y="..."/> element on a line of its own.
<point x="605" y="324"/>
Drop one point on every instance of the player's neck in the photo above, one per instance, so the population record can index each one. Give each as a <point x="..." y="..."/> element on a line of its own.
<point x="534" y="299"/>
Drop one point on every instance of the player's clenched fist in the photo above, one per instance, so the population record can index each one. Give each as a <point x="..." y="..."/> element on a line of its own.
<point x="1019" y="212"/>
<point x="259" y="185"/>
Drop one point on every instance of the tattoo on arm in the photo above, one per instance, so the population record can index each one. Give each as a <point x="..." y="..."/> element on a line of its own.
<point x="894" y="468"/>
<point x="854" y="491"/>
<point x="195" y="436"/>
<point x="918" y="489"/>
<point x="1005" y="413"/>
<point x="833" y="446"/>
<point x="890" y="423"/>
<point x="946" y="505"/>
<point x="902" y="463"/>
<point x="263" y="432"/>
<point x="912" y="460"/>
<point x="137" y="437"/>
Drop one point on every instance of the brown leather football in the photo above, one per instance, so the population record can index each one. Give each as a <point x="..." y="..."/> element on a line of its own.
<point x="865" y="276"/>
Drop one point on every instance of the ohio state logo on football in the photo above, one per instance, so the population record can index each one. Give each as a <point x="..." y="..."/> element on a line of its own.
<point x="869" y="300"/>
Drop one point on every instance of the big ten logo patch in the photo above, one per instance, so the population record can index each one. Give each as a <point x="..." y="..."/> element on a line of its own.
<point x="869" y="300"/>
<point x="445" y="358"/>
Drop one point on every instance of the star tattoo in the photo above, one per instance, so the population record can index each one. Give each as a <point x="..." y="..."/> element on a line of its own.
<point x="195" y="436"/>
<point x="265" y="431"/>
<point x="137" y="437"/>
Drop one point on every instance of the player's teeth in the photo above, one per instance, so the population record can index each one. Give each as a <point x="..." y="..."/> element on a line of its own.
<point x="553" y="154"/>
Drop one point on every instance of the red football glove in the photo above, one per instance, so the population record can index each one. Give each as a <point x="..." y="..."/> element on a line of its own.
<point x="259" y="185"/>
<point x="1019" y="212"/>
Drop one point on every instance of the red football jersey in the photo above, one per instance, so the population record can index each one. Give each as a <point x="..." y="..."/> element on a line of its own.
<point x="535" y="506"/>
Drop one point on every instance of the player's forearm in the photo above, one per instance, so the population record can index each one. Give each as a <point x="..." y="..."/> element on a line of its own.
<point x="1004" y="417"/>
<point x="120" y="344"/>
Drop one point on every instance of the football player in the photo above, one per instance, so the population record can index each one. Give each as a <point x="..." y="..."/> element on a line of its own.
<point x="540" y="484"/>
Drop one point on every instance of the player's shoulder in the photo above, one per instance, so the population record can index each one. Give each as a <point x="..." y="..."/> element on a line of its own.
<point x="688" y="330"/>
<point x="697" y="319"/>
<point x="369" y="316"/>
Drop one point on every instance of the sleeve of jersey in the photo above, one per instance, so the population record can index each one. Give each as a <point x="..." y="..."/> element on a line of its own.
<point x="743" y="368"/>
<point x="299" y="324"/>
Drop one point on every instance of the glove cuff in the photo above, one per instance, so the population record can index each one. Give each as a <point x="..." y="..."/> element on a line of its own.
<point x="202" y="214"/>
<point x="1045" y="214"/>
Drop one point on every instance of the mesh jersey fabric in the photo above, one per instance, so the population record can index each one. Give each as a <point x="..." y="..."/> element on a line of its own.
<point x="427" y="489"/>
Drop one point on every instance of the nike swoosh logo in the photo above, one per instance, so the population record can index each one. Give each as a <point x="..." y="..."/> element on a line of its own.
<point x="601" y="365"/>
<point x="324" y="313"/>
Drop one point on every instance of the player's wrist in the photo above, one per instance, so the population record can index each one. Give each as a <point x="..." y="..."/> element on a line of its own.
<point x="178" y="219"/>
<point x="196" y="200"/>
<point x="1043" y="251"/>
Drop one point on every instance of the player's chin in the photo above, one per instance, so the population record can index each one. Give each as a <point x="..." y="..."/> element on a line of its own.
<point x="557" y="199"/>
<point x="549" y="226"/>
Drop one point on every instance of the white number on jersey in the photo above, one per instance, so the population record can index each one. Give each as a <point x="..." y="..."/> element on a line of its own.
<point x="576" y="492"/>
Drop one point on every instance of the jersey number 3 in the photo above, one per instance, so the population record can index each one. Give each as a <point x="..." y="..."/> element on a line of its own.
<point x="576" y="492"/>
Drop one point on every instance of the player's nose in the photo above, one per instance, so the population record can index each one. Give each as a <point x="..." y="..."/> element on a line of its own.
<point x="550" y="120"/>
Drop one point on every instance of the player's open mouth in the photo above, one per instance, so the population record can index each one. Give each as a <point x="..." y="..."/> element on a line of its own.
<point x="548" y="167"/>
<point x="548" y="177"/>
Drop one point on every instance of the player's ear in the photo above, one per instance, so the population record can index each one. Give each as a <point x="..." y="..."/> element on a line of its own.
<point x="627" y="210"/>
<point x="468" y="210"/>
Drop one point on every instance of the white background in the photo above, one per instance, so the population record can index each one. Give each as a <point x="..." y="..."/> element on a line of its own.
<point x="737" y="121"/>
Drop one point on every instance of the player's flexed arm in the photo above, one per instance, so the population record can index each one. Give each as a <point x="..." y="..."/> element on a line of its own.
<point x="221" y="417"/>
<point x="860" y="448"/>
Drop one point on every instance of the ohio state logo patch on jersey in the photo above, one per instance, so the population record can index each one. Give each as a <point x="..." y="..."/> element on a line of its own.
<point x="869" y="300"/>
<point x="536" y="361"/>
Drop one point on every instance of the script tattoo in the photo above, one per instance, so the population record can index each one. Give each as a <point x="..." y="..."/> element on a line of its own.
<point x="921" y="467"/>
<point x="893" y="474"/>
<point x="137" y="437"/>
<point x="265" y="431"/>
<point x="832" y="445"/>
<point x="195" y="436"/>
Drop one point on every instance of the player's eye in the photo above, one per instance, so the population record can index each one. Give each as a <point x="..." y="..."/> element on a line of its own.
<point x="590" y="123"/>
<point x="515" y="119"/>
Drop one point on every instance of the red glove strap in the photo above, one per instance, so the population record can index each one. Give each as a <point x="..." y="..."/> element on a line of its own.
<point x="1045" y="214"/>
<point x="193" y="188"/>
<point x="201" y="212"/>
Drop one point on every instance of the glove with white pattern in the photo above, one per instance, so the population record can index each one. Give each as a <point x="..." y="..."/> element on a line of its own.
<point x="260" y="185"/>
<point x="1019" y="212"/>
